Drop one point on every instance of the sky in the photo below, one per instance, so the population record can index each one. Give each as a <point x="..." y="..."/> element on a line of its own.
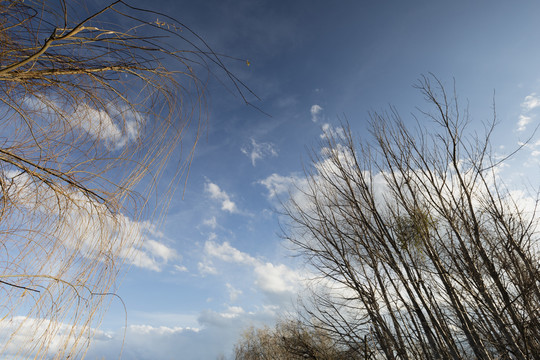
<point x="217" y="263"/>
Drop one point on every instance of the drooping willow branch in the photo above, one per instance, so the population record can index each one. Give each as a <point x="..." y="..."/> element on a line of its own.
<point x="93" y="105"/>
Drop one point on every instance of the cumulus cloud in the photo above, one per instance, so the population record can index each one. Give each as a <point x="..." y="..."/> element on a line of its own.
<point x="256" y="151"/>
<point x="22" y="336"/>
<point x="276" y="278"/>
<point x="214" y="334"/>
<point x="116" y="130"/>
<point x="315" y="111"/>
<point x="530" y="103"/>
<point x="217" y="194"/>
<point x="279" y="185"/>
<point x="114" y="125"/>
<point x="270" y="278"/>
<point x="209" y="335"/>
<point x="87" y="227"/>
<point x="227" y="253"/>
<point x="159" y="250"/>
<point x="143" y="341"/>
<point x="152" y="255"/>
<point x="523" y="122"/>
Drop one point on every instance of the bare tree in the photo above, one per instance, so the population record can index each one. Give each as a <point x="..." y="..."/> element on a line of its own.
<point x="423" y="252"/>
<point x="93" y="103"/>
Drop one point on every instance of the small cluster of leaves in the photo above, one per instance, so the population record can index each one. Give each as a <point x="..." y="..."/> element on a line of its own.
<point x="414" y="228"/>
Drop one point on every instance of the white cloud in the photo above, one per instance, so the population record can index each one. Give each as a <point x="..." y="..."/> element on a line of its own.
<point x="212" y="222"/>
<point x="214" y="335"/>
<point x="292" y="186"/>
<point x="233" y="292"/>
<point x="531" y="102"/>
<point x="160" y="330"/>
<point x="330" y="132"/>
<point x="160" y="250"/>
<point x="257" y="151"/>
<point x="23" y="337"/>
<point x="91" y="231"/>
<point x="232" y="312"/>
<point x="116" y="131"/>
<point x="114" y="125"/>
<point x="143" y="341"/>
<point x="315" y="111"/>
<point x="217" y="194"/>
<point x="229" y="320"/>
<point x="276" y="278"/>
<point x="279" y="185"/>
<point x="206" y="267"/>
<point x="180" y="268"/>
<point x="523" y="122"/>
<point x="208" y="335"/>
<point x="271" y="279"/>
<point x="227" y="253"/>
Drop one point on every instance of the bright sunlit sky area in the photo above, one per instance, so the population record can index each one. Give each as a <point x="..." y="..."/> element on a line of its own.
<point x="218" y="264"/>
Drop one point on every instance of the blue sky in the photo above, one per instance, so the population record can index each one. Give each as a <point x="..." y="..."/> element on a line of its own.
<point x="217" y="262"/>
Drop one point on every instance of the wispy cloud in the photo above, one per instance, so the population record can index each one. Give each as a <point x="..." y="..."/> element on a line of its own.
<point x="211" y="223"/>
<point x="180" y="268"/>
<point x="256" y="151"/>
<point x="315" y="112"/>
<point x="217" y="194"/>
<point x="233" y="292"/>
<point x="207" y="267"/>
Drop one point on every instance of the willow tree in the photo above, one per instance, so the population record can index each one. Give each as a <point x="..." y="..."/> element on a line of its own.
<point x="421" y="251"/>
<point x="93" y="104"/>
